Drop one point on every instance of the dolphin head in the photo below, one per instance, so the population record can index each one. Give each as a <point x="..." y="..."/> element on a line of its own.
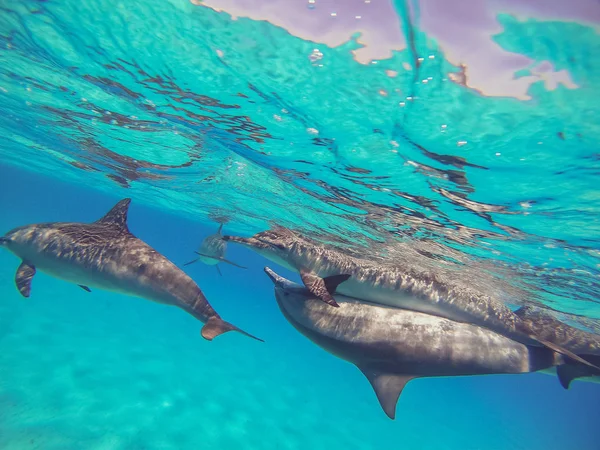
<point x="286" y="290"/>
<point x="273" y="244"/>
<point x="20" y="237"/>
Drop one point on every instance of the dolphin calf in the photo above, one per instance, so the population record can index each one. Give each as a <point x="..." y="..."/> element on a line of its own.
<point x="395" y="285"/>
<point x="106" y="255"/>
<point x="392" y="346"/>
<point x="212" y="251"/>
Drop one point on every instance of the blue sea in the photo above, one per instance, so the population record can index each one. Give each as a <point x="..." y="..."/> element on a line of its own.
<point x="456" y="136"/>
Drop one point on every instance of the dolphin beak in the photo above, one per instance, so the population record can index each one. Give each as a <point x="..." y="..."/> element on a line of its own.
<point x="239" y="240"/>
<point x="283" y="283"/>
<point x="251" y="242"/>
<point x="277" y="280"/>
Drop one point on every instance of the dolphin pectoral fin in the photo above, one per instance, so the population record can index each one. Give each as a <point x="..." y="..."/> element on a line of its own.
<point x="387" y="387"/>
<point x="564" y="351"/>
<point x="23" y="277"/>
<point x="85" y="288"/>
<point x="191" y="262"/>
<point x="223" y="260"/>
<point x="218" y="270"/>
<point x="216" y="326"/>
<point x="317" y="287"/>
<point x="332" y="282"/>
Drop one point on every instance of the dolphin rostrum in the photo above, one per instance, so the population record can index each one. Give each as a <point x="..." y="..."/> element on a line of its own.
<point x="392" y="346"/>
<point x="395" y="285"/>
<point x="106" y="255"/>
<point x="212" y="251"/>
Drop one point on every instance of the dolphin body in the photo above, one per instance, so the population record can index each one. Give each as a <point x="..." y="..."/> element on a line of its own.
<point x="392" y="285"/>
<point x="212" y="251"/>
<point x="106" y="255"/>
<point x="392" y="346"/>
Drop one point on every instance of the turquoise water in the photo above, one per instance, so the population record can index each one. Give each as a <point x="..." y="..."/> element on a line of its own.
<point x="200" y="119"/>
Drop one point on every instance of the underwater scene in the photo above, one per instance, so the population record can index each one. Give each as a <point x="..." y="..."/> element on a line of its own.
<point x="299" y="224"/>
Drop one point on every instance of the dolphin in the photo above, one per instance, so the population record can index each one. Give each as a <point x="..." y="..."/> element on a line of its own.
<point x="106" y="255"/>
<point x="212" y="251"/>
<point x="392" y="346"/>
<point x="397" y="285"/>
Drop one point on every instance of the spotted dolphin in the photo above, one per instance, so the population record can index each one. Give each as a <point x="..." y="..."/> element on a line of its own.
<point x="212" y="251"/>
<point x="397" y="285"/>
<point x="104" y="254"/>
<point x="392" y="346"/>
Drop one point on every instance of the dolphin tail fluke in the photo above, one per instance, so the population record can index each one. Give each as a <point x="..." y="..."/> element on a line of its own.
<point x="563" y="351"/>
<point x="216" y="326"/>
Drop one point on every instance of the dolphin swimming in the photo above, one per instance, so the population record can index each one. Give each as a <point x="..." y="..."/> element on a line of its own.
<point x="212" y="251"/>
<point x="394" y="285"/>
<point x="106" y="255"/>
<point x="392" y="346"/>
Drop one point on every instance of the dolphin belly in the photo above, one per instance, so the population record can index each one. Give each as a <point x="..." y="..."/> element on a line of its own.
<point x="382" y="295"/>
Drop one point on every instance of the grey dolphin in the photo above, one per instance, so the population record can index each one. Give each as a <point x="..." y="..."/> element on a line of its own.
<point x="212" y="251"/>
<point x="395" y="285"/>
<point x="392" y="346"/>
<point x="106" y="255"/>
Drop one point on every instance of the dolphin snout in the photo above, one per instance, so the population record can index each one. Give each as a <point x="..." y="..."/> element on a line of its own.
<point x="277" y="280"/>
<point x="283" y="284"/>
<point x="237" y="239"/>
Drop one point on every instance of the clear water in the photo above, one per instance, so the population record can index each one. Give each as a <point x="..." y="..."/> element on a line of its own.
<point x="201" y="118"/>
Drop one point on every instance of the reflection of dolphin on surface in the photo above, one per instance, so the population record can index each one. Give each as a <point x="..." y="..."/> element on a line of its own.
<point x="398" y="285"/>
<point x="106" y="255"/>
<point x="392" y="346"/>
<point x="212" y="251"/>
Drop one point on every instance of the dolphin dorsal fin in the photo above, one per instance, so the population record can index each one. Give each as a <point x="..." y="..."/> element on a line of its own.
<point x="117" y="216"/>
<point x="220" y="230"/>
<point x="387" y="387"/>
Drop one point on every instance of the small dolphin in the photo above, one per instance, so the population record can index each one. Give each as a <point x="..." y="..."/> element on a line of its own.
<point x="395" y="285"/>
<point x="392" y="346"/>
<point x="212" y="251"/>
<point x="106" y="255"/>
